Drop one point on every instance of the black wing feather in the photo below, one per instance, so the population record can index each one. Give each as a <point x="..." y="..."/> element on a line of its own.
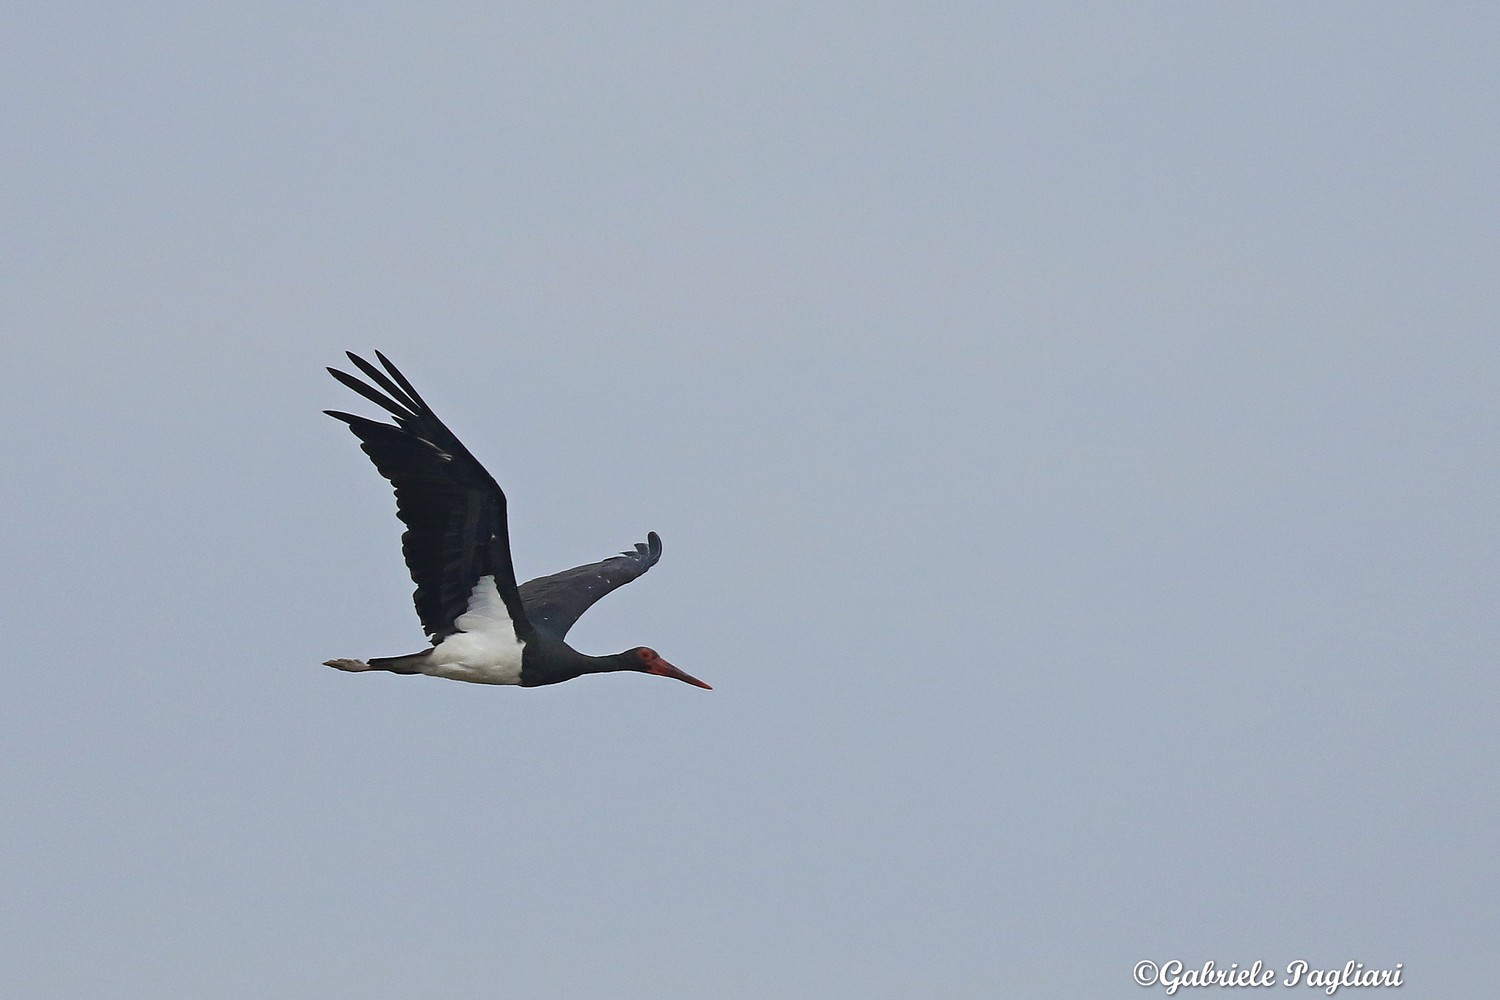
<point x="454" y="511"/>
<point x="554" y="603"/>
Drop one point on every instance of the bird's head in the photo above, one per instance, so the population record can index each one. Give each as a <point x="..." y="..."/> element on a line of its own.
<point x="649" y="661"/>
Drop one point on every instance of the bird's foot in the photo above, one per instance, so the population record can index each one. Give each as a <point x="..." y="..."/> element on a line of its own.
<point x="353" y="666"/>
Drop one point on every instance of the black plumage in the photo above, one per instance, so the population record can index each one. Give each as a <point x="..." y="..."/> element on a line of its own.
<point x="454" y="511"/>
<point x="553" y="603"/>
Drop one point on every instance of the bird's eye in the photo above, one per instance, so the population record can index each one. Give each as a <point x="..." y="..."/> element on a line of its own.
<point x="648" y="654"/>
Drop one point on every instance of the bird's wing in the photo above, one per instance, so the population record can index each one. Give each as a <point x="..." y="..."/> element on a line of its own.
<point x="554" y="603"/>
<point x="454" y="511"/>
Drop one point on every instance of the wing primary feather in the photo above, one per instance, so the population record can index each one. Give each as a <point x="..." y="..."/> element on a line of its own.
<point x="421" y="404"/>
<point x="379" y="378"/>
<point x="390" y="406"/>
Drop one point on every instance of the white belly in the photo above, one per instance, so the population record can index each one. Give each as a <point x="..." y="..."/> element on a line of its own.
<point x="486" y="651"/>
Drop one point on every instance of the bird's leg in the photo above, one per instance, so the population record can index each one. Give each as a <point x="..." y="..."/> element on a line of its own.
<point x="353" y="666"/>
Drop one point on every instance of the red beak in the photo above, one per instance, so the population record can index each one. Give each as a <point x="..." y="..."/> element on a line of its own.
<point x="662" y="668"/>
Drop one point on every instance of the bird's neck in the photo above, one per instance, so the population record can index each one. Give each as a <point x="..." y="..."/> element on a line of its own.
<point x="554" y="661"/>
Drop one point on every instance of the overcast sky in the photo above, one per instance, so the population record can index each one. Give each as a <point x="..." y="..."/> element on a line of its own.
<point x="1072" y="427"/>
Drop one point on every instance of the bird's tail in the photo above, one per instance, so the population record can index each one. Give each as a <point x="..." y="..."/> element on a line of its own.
<point x="411" y="663"/>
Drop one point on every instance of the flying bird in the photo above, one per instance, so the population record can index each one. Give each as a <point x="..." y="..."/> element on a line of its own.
<point x="483" y="628"/>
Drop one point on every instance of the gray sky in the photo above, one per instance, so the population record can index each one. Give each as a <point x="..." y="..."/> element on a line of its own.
<point x="1072" y="429"/>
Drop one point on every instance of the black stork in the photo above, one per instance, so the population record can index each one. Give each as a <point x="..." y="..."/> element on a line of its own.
<point x="483" y="628"/>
